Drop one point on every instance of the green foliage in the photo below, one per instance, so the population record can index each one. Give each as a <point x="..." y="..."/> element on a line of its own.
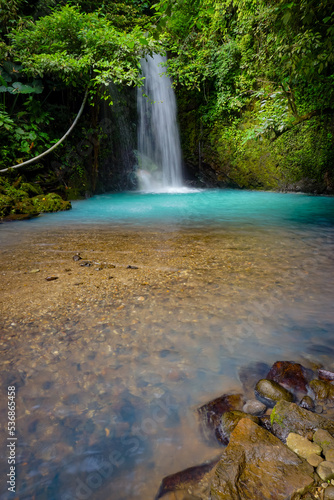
<point x="81" y="49"/>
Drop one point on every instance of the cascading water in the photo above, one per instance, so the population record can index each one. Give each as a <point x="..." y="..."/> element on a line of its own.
<point x="159" y="149"/>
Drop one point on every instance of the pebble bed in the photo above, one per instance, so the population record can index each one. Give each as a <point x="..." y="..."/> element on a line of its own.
<point x="113" y="337"/>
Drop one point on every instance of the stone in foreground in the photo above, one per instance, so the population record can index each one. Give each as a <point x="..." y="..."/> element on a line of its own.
<point x="269" y="392"/>
<point x="189" y="483"/>
<point x="302" y="446"/>
<point x="289" y="417"/>
<point x="293" y="376"/>
<point x="257" y="465"/>
<point x="326" y="470"/>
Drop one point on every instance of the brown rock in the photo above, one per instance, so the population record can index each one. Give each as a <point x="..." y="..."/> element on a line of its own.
<point x="326" y="470"/>
<point x="329" y="493"/>
<point x="325" y="375"/>
<point x="189" y="483"/>
<point x="210" y="413"/>
<point x="322" y="389"/>
<point x="315" y="460"/>
<point x="292" y="376"/>
<point x="324" y="439"/>
<point x="228" y="423"/>
<point x="302" y="446"/>
<point x="289" y="417"/>
<point x="256" y="465"/>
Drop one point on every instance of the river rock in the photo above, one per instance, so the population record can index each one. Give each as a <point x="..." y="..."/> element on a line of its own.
<point x="289" y="417"/>
<point x="302" y="446"/>
<point x="314" y="460"/>
<point x="329" y="493"/>
<point x="269" y="392"/>
<point x="254" y="407"/>
<point x="189" y="483"/>
<point x="326" y="470"/>
<point x="210" y="413"/>
<point x="257" y="465"/>
<point x="325" y="374"/>
<point x="329" y="455"/>
<point x="228" y="423"/>
<point x="324" y="439"/>
<point x="292" y="376"/>
<point x="322" y="389"/>
<point x="307" y="403"/>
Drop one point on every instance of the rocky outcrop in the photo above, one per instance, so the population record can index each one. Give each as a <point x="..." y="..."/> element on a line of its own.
<point x="257" y="465"/>
<point x="289" y="417"/>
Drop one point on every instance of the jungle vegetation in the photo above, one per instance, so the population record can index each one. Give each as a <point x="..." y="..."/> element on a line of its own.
<point x="254" y="81"/>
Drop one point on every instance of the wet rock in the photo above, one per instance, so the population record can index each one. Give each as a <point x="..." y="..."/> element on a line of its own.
<point x="314" y="460"/>
<point x="228" y="423"/>
<point x="269" y="392"/>
<point x="265" y="422"/>
<point x="325" y="375"/>
<point x="193" y="482"/>
<point x="52" y="278"/>
<point x="324" y="439"/>
<point x="289" y="417"/>
<point x="131" y="267"/>
<point x="256" y="465"/>
<point x="322" y="389"/>
<point x="326" y="470"/>
<point x="87" y="263"/>
<point x="307" y="403"/>
<point x="254" y="407"/>
<point x="292" y="376"/>
<point x="302" y="446"/>
<point x="249" y="376"/>
<point x="210" y="413"/>
<point x="76" y="257"/>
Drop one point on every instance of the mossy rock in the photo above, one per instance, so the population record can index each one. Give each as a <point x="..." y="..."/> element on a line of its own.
<point x="6" y="204"/>
<point x="31" y="189"/>
<point x="50" y="203"/>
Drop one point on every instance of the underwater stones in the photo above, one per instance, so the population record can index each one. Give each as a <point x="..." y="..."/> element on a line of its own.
<point x="256" y="464"/>
<point x="249" y="376"/>
<point x="290" y="375"/>
<point x="302" y="446"/>
<point x="269" y="392"/>
<point x="228" y="423"/>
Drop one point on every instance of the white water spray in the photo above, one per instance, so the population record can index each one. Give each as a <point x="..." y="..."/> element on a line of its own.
<point x="159" y="149"/>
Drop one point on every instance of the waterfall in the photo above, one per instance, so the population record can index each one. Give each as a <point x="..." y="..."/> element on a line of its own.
<point x="159" y="149"/>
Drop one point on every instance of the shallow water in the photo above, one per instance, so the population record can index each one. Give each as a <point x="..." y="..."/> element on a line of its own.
<point x="110" y="365"/>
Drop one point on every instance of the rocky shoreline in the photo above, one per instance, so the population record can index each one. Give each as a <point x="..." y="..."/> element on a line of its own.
<point x="279" y="445"/>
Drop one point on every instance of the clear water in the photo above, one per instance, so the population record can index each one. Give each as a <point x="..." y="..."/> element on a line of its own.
<point x="159" y="148"/>
<point x="110" y="372"/>
<point x="195" y="208"/>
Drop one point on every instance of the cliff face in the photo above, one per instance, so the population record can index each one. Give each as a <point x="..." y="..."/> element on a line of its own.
<point x="228" y="153"/>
